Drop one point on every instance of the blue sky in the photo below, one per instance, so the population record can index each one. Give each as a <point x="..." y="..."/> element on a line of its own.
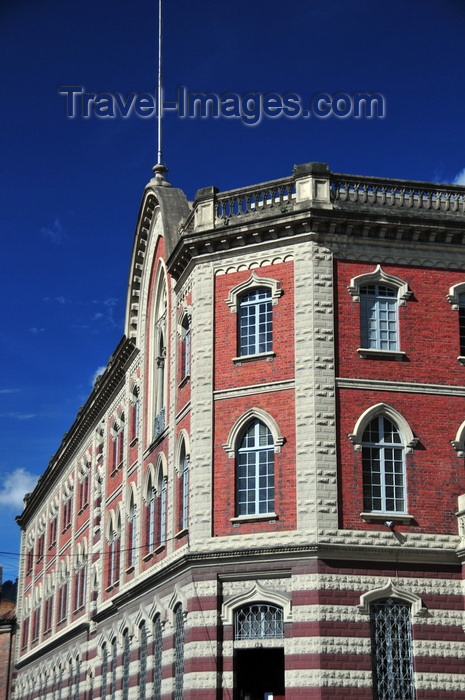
<point x="72" y="187"/>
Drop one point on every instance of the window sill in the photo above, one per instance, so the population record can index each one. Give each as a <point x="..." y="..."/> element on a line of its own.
<point x="268" y="356"/>
<point x="181" y="533"/>
<point x="402" y="518"/>
<point x="130" y="569"/>
<point x="134" y="441"/>
<point x="461" y="359"/>
<point x="375" y="354"/>
<point x="271" y="517"/>
<point x="184" y="381"/>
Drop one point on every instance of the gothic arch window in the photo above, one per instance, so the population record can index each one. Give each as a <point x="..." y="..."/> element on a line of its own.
<point x="253" y="300"/>
<point x="114" y="666"/>
<point x="156" y="502"/>
<point x="135" y="412"/>
<point x="183" y="490"/>
<point x="383" y="464"/>
<point x="143" y="648"/>
<point x="255" y="470"/>
<point x="114" y="548"/>
<point x="258" y="620"/>
<point x="380" y="295"/>
<point x="126" y="663"/>
<point x="179" y="653"/>
<point x="104" y="671"/>
<point x="391" y="642"/>
<point x="117" y="447"/>
<point x="157" y="657"/>
<point x="456" y="298"/>
<point x="80" y="576"/>
<point x="159" y="353"/>
<point x="131" y="539"/>
<point x="185" y="332"/>
<point x="384" y="438"/>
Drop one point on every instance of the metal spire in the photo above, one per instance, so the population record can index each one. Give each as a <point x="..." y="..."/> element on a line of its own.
<point x="160" y="168"/>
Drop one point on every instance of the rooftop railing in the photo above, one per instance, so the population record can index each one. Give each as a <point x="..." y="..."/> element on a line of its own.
<point x="395" y="193"/>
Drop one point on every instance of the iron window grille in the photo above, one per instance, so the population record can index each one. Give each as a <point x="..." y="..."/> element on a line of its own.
<point x="255" y="471"/>
<point x="383" y="467"/>
<point x="259" y="621"/>
<point x="391" y="639"/>
<point x="143" y="662"/>
<point x="157" y="658"/>
<point x="126" y="660"/>
<point x="179" y="655"/>
<point x="255" y="322"/>
<point x="378" y="315"/>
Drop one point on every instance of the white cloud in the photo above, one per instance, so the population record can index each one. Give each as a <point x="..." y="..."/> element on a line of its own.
<point x="36" y="330"/>
<point x="54" y="233"/>
<point x="9" y="391"/>
<point x="459" y="178"/>
<point x="15" y="486"/>
<point x="97" y="373"/>
<point x="18" y="416"/>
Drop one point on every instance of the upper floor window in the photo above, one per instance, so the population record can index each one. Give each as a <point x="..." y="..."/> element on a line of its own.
<point x="131" y="533"/>
<point x="255" y="471"/>
<point x="378" y="317"/>
<point x="186" y="348"/>
<point x="67" y="513"/>
<point x="383" y="467"/>
<point x="185" y="488"/>
<point x="52" y="532"/>
<point x="157" y="658"/>
<point x="456" y="297"/>
<point x="253" y="300"/>
<point x="135" y="412"/>
<point x="255" y="322"/>
<point x="84" y="490"/>
<point x="380" y="295"/>
<point x="114" y="550"/>
<point x="118" y="442"/>
<point x="391" y="640"/>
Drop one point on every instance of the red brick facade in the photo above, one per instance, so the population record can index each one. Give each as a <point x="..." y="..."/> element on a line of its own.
<point x="212" y="525"/>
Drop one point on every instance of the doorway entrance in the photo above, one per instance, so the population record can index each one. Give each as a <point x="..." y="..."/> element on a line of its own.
<point x="259" y="674"/>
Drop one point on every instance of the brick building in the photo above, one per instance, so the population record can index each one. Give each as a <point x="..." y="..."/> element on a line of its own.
<point x="7" y="641"/>
<point x="263" y="496"/>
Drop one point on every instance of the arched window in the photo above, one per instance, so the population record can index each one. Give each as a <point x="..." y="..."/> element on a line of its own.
<point x="162" y="508"/>
<point x="114" y="666"/>
<point x="383" y="467"/>
<point x="114" y="550"/>
<point x="150" y="515"/>
<point x="143" y="661"/>
<point x="184" y="490"/>
<point x="157" y="658"/>
<point x="104" y="671"/>
<point x="259" y="621"/>
<point x="185" y="348"/>
<point x="255" y="471"/>
<point x="159" y="352"/>
<point x="255" y="322"/>
<point x="391" y="640"/>
<point x="179" y="653"/>
<point x="379" y="317"/>
<point x="135" y="412"/>
<point x="126" y="662"/>
<point x="156" y="512"/>
<point x="131" y="532"/>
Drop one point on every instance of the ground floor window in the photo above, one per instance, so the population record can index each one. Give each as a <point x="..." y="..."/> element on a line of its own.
<point x="391" y="638"/>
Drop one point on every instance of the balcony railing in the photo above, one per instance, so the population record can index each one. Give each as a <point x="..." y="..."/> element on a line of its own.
<point x="349" y="189"/>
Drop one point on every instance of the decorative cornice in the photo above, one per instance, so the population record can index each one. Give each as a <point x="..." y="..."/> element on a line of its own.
<point x="405" y="387"/>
